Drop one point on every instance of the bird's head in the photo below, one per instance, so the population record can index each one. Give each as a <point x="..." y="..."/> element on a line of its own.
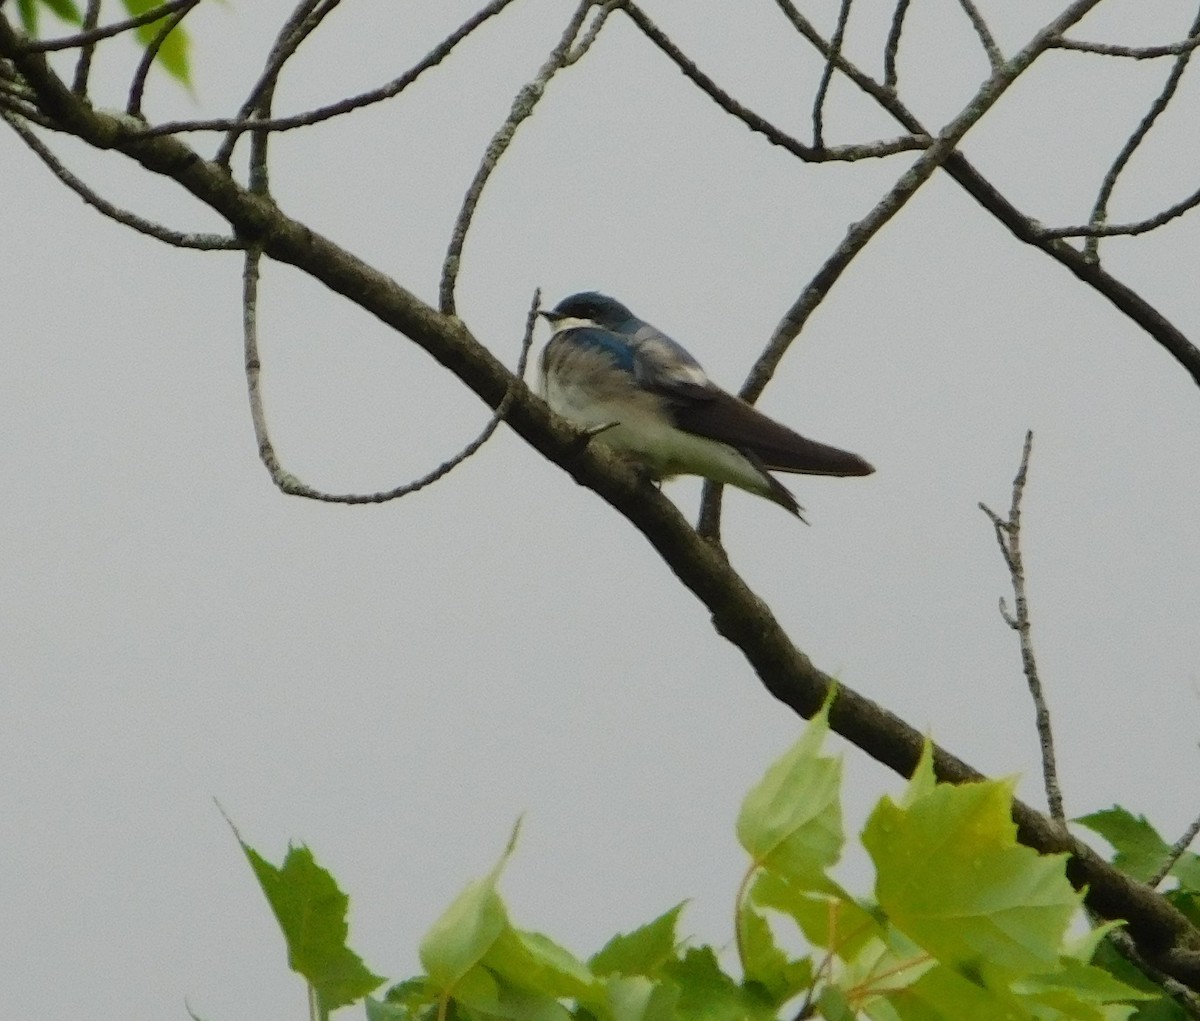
<point x="591" y="308"/>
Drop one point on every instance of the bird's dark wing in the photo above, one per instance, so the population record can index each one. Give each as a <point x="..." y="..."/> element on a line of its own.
<point x="699" y="406"/>
<point x="717" y="415"/>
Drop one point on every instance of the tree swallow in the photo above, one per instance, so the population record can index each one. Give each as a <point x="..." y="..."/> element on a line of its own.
<point x="621" y="379"/>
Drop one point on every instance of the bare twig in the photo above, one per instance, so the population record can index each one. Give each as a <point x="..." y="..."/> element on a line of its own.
<point x="179" y="239"/>
<point x="589" y="36"/>
<point x="751" y="119"/>
<point x="1176" y="852"/>
<point x="523" y="105"/>
<point x="91" y="34"/>
<point x="138" y="85"/>
<point x="83" y="66"/>
<point x="1008" y="535"/>
<point x="892" y="47"/>
<point x="1132" y="52"/>
<point x="995" y="57"/>
<point x="342" y="106"/>
<point x="289" y="483"/>
<point x="1091" y="249"/>
<point x="1127" y="229"/>
<point x="835" y="50"/>
<point x="303" y="21"/>
<point x="1025" y="229"/>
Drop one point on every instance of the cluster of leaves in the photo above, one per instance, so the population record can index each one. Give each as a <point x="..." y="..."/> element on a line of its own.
<point x="1141" y="852"/>
<point x="964" y="923"/>
<point x="172" y="54"/>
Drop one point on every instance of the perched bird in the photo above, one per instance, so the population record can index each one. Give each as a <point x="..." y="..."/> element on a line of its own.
<point x="642" y="394"/>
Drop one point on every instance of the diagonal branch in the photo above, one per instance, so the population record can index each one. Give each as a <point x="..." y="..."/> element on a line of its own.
<point x="986" y="40"/>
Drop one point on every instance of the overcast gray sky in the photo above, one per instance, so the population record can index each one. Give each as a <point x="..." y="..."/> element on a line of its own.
<point x="393" y="685"/>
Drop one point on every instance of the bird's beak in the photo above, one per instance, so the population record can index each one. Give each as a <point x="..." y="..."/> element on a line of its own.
<point x="548" y="316"/>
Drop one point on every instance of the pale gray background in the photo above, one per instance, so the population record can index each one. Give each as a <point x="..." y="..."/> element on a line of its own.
<point x="394" y="685"/>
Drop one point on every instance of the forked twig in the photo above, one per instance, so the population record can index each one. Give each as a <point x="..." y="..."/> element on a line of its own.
<point x="1100" y="209"/>
<point x="1008" y="535"/>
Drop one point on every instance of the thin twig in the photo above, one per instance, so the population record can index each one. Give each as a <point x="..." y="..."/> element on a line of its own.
<point x="342" y="106"/>
<point x="578" y="51"/>
<point x="302" y="22"/>
<point x="1126" y="229"/>
<point x="138" y="86"/>
<point x="91" y="34"/>
<point x="1129" y="302"/>
<point x="1132" y="52"/>
<point x="83" y="66"/>
<point x="995" y="57"/>
<point x="891" y="48"/>
<point x="1176" y="852"/>
<point x="835" y="50"/>
<point x="289" y="483"/>
<point x="1091" y="248"/>
<point x="751" y="119"/>
<point x="523" y="105"/>
<point x="1008" y="535"/>
<point x="179" y="239"/>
